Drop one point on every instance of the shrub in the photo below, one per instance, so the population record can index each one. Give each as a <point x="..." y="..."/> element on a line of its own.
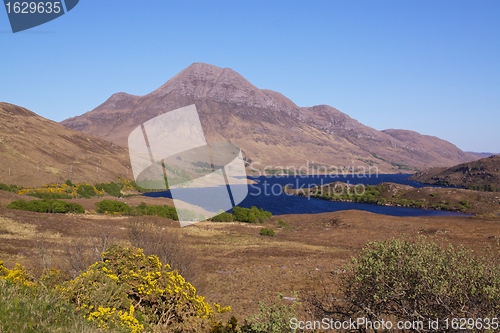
<point x="51" y="191"/>
<point x="154" y="210"/>
<point x="29" y="306"/>
<point x="18" y="275"/>
<point x="86" y="191"/>
<point x="112" y="189"/>
<point x="118" y="207"/>
<point x="250" y="215"/>
<point x="47" y="206"/>
<point x="136" y="291"/>
<point x="464" y="204"/>
<point x="412" y="281"/>
<point x="26" y="309"/>
<point x="273" y="318"/>
<point x="9" y="188"/>
<point x="112" y="207"/>
<point x="267" y="232"/>
<point x="222" y="217"/>
<point x="283" y="224"/>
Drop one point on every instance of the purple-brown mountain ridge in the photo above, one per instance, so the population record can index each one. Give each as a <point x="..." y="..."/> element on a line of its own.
<point x="270" y="129"/>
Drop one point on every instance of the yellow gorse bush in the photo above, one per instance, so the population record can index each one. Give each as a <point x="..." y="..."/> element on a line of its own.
<point x="110" y="317"/>
<point x="127" y="185"/>
<point x="62" y="189"/>
<point x="16" y="275"/>
<point x="132" y="290"/>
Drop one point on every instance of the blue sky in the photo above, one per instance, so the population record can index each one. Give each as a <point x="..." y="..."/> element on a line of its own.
<point x="429" y="66"/>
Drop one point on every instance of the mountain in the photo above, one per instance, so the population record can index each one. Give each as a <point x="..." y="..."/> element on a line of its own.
<point x="481" y="155"/>
<point x="270" y="129"/>
<point x="35" y="151"/>
<point x="483" y="174"/>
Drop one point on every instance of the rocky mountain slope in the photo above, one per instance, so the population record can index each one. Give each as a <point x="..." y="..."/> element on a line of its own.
<point x="271" y="129"/>
<point x="35" y="151"/>
<point x="483" y="174"/>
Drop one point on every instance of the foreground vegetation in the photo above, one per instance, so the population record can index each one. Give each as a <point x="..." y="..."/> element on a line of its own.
<point x="38" y="310"/>
<point x="129" y="291"/>
<point x="126" y="291"/>
<point x="401" y="280"/>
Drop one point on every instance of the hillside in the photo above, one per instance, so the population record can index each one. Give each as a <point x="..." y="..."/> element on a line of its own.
<point x="483" y="174"/>
<point x="36" y="151"/>
<point x="269" y="127"/>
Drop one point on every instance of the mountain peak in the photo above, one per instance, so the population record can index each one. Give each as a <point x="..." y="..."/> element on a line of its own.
<point x="204" y="81"/>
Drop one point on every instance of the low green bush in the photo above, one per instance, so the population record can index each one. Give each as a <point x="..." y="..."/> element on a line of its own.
<point x="47" y="206"/>
<point x="112" y="207"/>
<point x="112" y="189"/>
<point x="272" y="318"/>
<point x="9" y="188"/>
<point x="86" y="191"/>
<point x="267" y="232"/>
<point x="240" y="214"/>
<point x="283" y="224"/>
<point x="464" y="204"/>
<point x="222" y="217"/>
<point x="408" y="281"/>
<point x="155" y="210"/>
<point x="118" y="207"/>
<point x="251" y="215"/>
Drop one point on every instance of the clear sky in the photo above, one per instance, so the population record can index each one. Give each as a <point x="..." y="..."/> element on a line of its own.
<point x="424" y="65"/>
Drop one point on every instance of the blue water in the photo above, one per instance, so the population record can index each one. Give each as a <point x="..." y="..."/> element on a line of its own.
<point x="267" y="194"/>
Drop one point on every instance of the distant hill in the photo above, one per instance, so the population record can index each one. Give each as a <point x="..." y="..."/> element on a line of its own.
<point x="35" y="151"/>
<point x="270" y="128"/>
<point x="483" y="174"/>
<point x="481" y="155"/>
